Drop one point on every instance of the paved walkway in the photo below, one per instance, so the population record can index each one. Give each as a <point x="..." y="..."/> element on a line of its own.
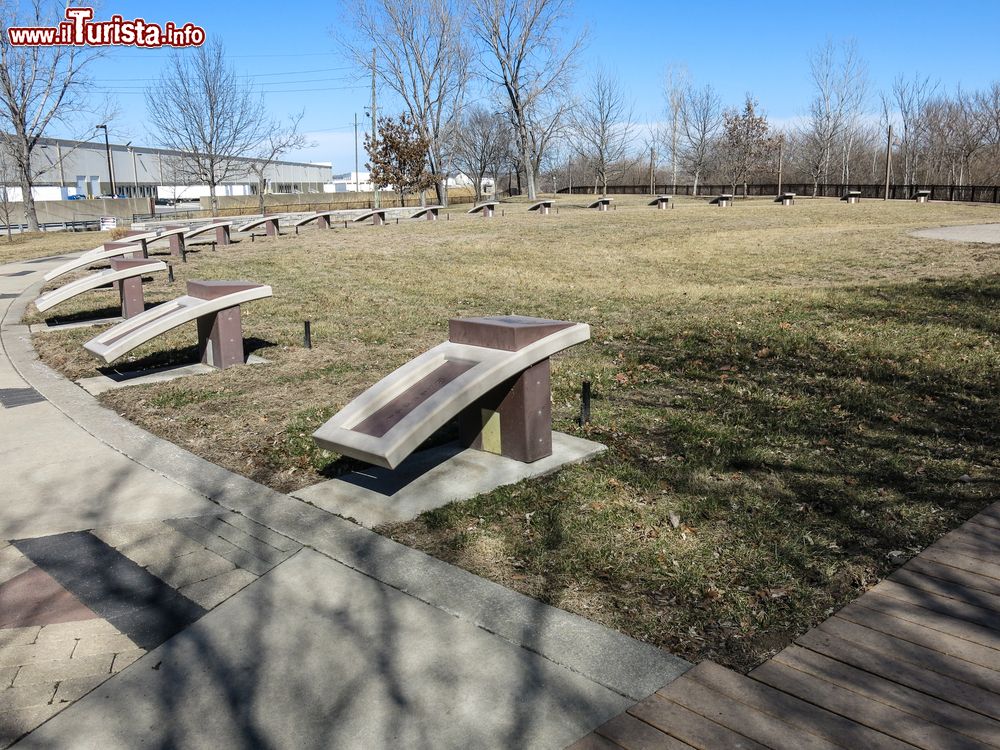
<point x="150" y="598"/>
<point x="988" y="233"/>
<point x="914" y="662"/>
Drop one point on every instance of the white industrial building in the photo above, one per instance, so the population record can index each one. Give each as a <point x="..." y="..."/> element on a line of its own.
<point x="351" y="182"/>
<point x="69" y="168"/>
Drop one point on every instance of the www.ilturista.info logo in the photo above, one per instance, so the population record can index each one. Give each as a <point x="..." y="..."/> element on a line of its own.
<point x="80" y="30"/>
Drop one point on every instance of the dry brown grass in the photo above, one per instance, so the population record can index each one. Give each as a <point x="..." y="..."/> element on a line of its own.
<point x="31" y="245"/>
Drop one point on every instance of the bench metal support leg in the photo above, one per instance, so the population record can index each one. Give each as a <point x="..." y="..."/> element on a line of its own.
<point x="514" y="419"/>
<point x="220" y="338"/>
<point x="130" y="293"/>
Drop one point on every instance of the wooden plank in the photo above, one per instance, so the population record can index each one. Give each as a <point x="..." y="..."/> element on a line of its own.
<point x="634" y="734"/>
<point x="985" y="524"/>
<point x="946" y="606"/>
<point x="921" y="706"/>
<point x="688" y="726"/>
<point x="792" y="710"/>
<point x="968" y="548"/>
<point x="594" y="742"/>
<point x="931" y="619"/>
<point x="956" y="575"/>
<point x="905" y="673"/>
<point x="887" y="620"/>
<point x="992" y="513"/>
<point x="947" y="589"/>
<point x="928" y="656"/>
<point x="988" y="544"/>
<point x="742" y="718"/>
<point x="987" y="534"/>
<point x="879" y="716"/>
<point x="946" y="556"/>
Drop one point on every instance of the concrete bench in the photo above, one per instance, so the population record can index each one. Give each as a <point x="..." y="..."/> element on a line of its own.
<point x="428" y="212"/>
<point x="105" y="252"/>
<point x="786" y="199"/>
<point x="922" y="196"/>
<point x="724" y="200"/>
<point x="661" y="202"/>
<point x="601" y="204"/>
<point x="486" y="209"/>
<point x="852" y="196"/>
<point x="543" y="207"/>
<point x="322" y="219"/>
<point x="377" y="215"/>
<point x="125" y="274"/>
<point x="493" y="373"/>
<point x="222" y="231"/>
<point x="270" y="224"/>
<point x="214" y="304"/>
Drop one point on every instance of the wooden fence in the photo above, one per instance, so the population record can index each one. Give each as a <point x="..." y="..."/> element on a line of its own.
<point x="963" y="193"/>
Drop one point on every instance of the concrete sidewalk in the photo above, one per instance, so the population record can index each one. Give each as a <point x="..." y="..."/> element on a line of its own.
<point x="355" y="641"/>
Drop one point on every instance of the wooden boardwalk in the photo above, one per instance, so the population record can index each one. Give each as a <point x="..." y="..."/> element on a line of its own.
<point x="914" y="662"/>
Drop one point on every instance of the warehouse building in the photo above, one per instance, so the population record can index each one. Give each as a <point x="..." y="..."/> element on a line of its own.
<point x="68" y="168"/>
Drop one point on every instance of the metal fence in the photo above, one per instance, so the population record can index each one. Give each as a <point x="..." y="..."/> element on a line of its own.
<point x="964" y="193"/>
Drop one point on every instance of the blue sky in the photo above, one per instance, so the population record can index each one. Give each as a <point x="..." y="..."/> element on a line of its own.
<point x="738" y="48"/>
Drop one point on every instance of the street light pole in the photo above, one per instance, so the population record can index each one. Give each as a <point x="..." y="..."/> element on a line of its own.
<point x="888" y="162"/>
<point x="107" y="149"/>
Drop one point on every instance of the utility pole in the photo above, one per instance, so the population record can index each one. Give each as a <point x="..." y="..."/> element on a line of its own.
<point x="888" y="162"/>
<point x="781" y="145"/>
<point x="652" y="173"/>
<point x="377" y="202"/>
<point x="107" y="149"/>
<point x="357" y="174"/>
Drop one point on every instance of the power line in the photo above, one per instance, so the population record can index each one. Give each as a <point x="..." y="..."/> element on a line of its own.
<point x="253" y="75"/>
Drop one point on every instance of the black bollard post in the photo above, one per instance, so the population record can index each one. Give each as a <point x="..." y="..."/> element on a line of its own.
<point x="170" y="273"/>
<point x="307" y="339"/>
<point x="184" y="255"/>
<point x="585" y="403"/>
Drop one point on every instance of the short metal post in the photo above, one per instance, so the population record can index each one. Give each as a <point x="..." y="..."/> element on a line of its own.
<point x="170" y="273"/>
<point x="307" y="338"/>
<point x="585" y="403"/>
<point x="345" y="223"/>
<point x="184" y="255"/>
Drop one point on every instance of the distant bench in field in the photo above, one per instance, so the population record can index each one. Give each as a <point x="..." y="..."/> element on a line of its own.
<point x="486" y="209"/>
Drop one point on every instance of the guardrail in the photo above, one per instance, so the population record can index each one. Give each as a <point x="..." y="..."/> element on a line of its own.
<point x="83" y="225"/>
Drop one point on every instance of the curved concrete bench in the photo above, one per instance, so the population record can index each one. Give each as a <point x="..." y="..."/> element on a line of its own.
<point x="214" y="304"/>
<point x="786" y="199"/>
<point x="493" y="372"/>
<point x="428" y="212"/>
<point x="377" y="215"/>
<point x="486" y="208"/>
<point x="322" y="219"/>
<point x="270" y="226"/>
<point x="922" y="196"/>
<point x="601" y="204"/>
<point x="105" y="252"/>
<point x="852" y="196"/>
<point x="724" y="200"/>
<point x="221" y="229"/>
<point x="543" y="207"/>
<point x="661" y="201"/>
<point x="121" y="271"/>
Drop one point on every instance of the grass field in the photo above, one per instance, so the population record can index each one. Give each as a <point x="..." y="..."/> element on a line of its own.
<point x="793" y="398"/>
<point x="41" y="244"/>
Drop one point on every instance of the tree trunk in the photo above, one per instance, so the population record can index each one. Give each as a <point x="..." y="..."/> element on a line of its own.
<point x="214" y="199"/>
<point x="28" y="202"/>
<point x="696" y="176"/>
<point x="261" y="187"/>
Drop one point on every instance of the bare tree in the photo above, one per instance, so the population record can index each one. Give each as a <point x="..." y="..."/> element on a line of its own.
<point x="7" y="176"/>
<point x="480" y="143"/>
<point x="38" y="86"/>
<point x="907" y="103"/>
<point x="277" y="140"/>
<point x="203" y="109"/>
<point x="602" y="124"/>
<point x="701" y="122"/>
<point x="746" y="143"/>
<point x="840" y="80"/>
<point x="524" y="56"/>
<point x="675" y="84"/>
<point x="421" y="55"/>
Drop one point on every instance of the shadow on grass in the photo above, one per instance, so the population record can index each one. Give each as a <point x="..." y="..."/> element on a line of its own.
<point x="765" y="461"/>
